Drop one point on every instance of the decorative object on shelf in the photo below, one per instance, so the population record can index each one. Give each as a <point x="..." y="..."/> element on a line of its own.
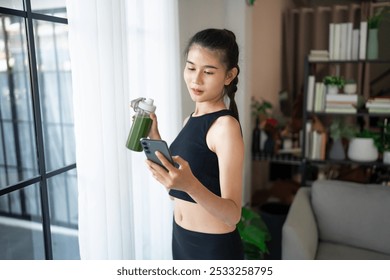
<point x="372" y="43"/>
<point x="339" y="131"/>
<point x="364" y="147"/>
<point x="260" y="112"/>
<point x="254" y="234"/>
<point x="261" y="109"/>
<point x="350" y="87"/>
<point x="373" y="24"/>
<point x="271" y="145"/>
<point x="333" y="84"/>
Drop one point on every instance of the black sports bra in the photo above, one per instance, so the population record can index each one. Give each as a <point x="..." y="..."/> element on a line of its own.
<point x="191" y="145"/>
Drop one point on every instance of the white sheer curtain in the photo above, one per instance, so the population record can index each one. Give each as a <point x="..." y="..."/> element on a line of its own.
<point x="122" y="50"/>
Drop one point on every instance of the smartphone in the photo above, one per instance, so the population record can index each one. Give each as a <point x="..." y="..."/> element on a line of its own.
<point x="150" y="146"/>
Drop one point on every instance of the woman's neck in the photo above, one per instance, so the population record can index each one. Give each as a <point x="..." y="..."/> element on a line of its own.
<point x="202" y="109"/>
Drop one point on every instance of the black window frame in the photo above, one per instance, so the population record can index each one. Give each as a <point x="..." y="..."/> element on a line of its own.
<point x="44" y="175"/>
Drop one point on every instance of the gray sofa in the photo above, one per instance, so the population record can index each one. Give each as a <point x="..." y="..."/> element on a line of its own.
<point x="336" y="220"/>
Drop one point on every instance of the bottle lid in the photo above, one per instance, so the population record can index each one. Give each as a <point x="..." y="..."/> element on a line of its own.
<point x="147" y="105"/>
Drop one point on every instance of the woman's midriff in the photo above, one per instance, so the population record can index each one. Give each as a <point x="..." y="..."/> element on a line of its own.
<point x="194" y="217"/>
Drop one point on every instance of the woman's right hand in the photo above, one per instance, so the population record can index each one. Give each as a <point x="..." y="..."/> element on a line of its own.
<point x="154" y="133"/>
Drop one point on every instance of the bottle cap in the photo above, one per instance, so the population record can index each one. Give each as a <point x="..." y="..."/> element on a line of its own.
<point x="147" y="105"/>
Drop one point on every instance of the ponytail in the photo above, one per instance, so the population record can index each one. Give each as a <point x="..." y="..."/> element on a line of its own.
<point x="230" y="91"/>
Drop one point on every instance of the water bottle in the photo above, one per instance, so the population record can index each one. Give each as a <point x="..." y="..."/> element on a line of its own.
<point x="142" y="122"/>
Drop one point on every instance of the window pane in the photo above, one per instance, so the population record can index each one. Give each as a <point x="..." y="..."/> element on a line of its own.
<point x="21" y="236"/>
<point x="18" y="155"/>
<point x="54" y="79"/>
<point x="12" y="4"/>
<point x="49" y="7"/>
<point x="64" y="215"/>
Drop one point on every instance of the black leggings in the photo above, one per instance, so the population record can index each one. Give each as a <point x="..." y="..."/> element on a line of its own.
<point x="192" y="245"/>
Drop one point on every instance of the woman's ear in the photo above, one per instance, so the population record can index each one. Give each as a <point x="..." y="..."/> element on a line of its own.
<point x="231" y="75"/>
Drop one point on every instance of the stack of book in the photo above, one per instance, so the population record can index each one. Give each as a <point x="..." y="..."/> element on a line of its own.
<point x="380" y="105"/>
<point x="316" y="142"/>
<point x="347" y="42"/>
<point x="341" y="103"/>
<point x="315" y="95"/>
<point x="319" y="55"/>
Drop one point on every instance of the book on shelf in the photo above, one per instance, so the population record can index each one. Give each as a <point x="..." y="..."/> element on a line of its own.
<point x="342" y="97"/>
<point x="330" y="41"/>
<point x="336" y="41"/>
<point x="319" y="100"/>
<point x="378" y="105"/>
<point x="318" y="55"/>
<point x="363" y="40"/>
<point x="316" y="141"/>
<point x="379" y="110"/>
<point x="379" y="100"/>
<point x="342" y="110"/>
<point x="349" y="40"/>
<point x="310" y="93"/>
<point x="308" y="138"/>
<point x="355" y="44"/>
<point x="333" y="105"/>
<point x="343" y="40"/>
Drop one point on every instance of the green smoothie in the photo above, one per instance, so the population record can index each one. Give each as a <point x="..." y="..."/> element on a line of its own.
<point x="139" y="129"/>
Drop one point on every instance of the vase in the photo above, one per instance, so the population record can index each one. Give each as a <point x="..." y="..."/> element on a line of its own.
<point x="337" y="150"/>
<point x="372" y="44"/>
<point x="362" y="149"/>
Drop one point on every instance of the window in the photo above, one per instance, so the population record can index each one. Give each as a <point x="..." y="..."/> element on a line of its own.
<point x="38" y="186"/>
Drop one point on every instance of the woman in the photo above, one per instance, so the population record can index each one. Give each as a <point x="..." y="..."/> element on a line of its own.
<point x="207" y="185"/>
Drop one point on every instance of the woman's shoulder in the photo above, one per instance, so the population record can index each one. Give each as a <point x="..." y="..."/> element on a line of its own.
<point x="226" y="124"/>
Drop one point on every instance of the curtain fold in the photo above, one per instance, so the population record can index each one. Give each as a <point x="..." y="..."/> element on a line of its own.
<point x="114" y="46"/>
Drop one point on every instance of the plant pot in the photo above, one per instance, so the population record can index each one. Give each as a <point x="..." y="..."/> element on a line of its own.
<point x="350" y="88"/>
<point x="362" y="149"/>
<point x="386" y="157"/>
<point x="332" y="89"/>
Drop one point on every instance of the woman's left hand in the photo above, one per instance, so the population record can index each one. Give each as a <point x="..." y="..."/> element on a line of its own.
<point x="179" y="178"/>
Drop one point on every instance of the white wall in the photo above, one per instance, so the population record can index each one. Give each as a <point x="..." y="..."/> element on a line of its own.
<point x="236" y="16"/>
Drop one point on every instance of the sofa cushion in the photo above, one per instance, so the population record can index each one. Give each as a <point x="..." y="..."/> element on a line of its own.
<point x="333" y="251"/>
<point x="353" y="214"/>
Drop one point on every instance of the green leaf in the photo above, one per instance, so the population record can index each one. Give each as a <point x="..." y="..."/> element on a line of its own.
<point x="254" y="233"/>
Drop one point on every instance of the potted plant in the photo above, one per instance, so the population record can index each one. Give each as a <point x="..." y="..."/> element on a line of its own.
<point x="364" y="146"/>
<point x="373" y="24"/>
<point x="333" y="84"/>
<point x="340" y="131"/>
<point x="260" y="109"/>
<point x="254" y="234"/>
